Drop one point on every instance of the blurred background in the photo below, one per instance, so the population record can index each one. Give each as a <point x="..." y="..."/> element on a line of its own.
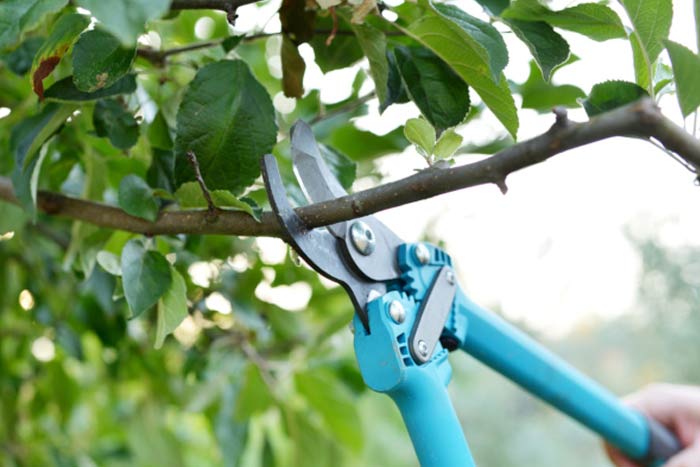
<point x="595" y="253"/>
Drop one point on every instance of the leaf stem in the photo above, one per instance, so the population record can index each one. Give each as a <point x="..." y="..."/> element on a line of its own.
<point x="211" y="207"/>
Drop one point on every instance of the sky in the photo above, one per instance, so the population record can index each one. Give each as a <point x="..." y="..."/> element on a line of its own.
<point x="554" y="252"/>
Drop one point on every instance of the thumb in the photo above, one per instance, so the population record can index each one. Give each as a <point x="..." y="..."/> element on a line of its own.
<point x="690" y="457"/>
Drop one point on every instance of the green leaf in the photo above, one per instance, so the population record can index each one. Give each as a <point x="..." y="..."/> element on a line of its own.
<point x="396" y="91"/>
<point x="145" y="276"/>
<point x="136" y="198"/>
<point x="542" y="96"/>
<point x="440" y="94"/>
<point x="373" y="44"/>
<point x="19" y="61"/>
<point x="593" y="20"/>
<point x="483" y="33"/>
<point x="447" y="144"/>
<point x="25" y="140"/>
<point x="18" y="16"/>
<point x="125" y="18"/>
<point x="466" y="57"/>
<point x="422" y="134"/>
<point x="611" y="95"/>
<point x="345" y="138"/>
<point x="99" y="60"/>
<point x="190" y="196"/>
<point x="113" y="121"/>
<point x="335" y="403"/>
<point x="651" y="21"/>
<point x="62" y="36"/>
<point x="226" y="117"/>
<point x="255" y="396"/>
<point x="109" y="262"/>
<point x="172" y="308"/>
<point x="547" y="47"/>
<point x="686" y="70"/>
<point x="231" y="42"/>
<point x="293" y="67"/>
<point x="65" y="90"/>
<point x="342" y="52"/>
<point x="494" y="7"/>
<point x="343" y="168"/>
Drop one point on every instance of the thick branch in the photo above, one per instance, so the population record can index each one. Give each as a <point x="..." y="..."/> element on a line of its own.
<point x="223" y="5"/>
<point x="640" y="119"/>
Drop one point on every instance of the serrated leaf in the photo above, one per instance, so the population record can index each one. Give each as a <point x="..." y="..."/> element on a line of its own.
<point x="651" y="20"/>
<point x="190" y="196"/>
<point x="440" y="94"/>
<point x="593" y="20"/>
<point x="145" y="276"/>
<point x="686" y="70"/>
<point x="447" y="144"/>
<point x="611" y="95"/>
<point x="465" y="56"/>
<point x="226" y="118"/>
<point x="547" y="47"/>
<point x="56" y="45"/>
<point x="542" y="96"/>
<point x="255" y="396"/>
<point x="136" y="198"/>
<point x="293" y="67"/>
<point x="483" y="33"/>
<point x="345" y="138"/>
<point x="172" y="308"/>
<point x="422" y="134"/>
<point x="109" y="262"/>
<point x="125" y="18"/>
<point x="26" y="139"/>
<point x="18" y="16"/>
<point x="65" y="90"/>
<point x="19" y="61"/>
<point x="111" y="120"/>
<point x="395" y="90"/>
<point x="99" y="60"/>
<point x="373" y="44"/>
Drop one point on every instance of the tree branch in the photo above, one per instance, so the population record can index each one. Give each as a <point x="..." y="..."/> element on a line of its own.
<point x="639" y="119"/>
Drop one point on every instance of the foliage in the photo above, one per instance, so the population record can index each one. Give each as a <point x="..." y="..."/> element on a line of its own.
<point x="106" y="101"/>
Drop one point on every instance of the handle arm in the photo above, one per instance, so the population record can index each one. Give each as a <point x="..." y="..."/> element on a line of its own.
<point x="521" y="359"/>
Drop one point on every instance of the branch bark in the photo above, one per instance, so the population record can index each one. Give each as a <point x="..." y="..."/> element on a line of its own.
<point x="641" y="119"/>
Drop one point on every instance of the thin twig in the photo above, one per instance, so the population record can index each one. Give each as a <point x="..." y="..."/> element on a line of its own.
<point x="211" y="207"/>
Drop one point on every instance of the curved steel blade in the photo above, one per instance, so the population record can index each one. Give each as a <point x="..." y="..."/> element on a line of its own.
<point x="316" y="180"/>
<point x="321" y="250"/>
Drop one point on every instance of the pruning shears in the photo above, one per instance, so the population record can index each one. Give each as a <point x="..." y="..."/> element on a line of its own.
<point x="411" y="312"/>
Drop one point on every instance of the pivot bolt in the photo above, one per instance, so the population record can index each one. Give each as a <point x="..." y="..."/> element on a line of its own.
<point x="362" y="238"/>
<point x="450" y="277"/>
<point x="422" y="253"/>
<point x="423" y="349"/>
<point x="397" y="312"/>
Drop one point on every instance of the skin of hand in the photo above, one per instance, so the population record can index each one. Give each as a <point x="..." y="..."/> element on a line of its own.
<point x="678" y="408"/>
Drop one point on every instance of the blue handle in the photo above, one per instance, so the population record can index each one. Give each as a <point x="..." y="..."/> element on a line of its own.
<point x="518" y="357"/>
<point x="420" y="392"/>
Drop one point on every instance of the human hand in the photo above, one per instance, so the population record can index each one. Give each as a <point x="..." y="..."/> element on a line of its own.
<point x="678" y="408"/>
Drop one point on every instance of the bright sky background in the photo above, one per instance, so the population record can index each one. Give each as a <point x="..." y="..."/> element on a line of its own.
<point x="553" y="251"/>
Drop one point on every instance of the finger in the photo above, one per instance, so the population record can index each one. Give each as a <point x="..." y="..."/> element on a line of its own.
<point x="688" y="458"/>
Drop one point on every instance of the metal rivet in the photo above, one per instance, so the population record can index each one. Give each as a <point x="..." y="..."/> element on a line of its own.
<point x="422" y="253"/>
<point x="362" y="238"/>
<point x="450" y="277"/>
<point x="422" y="349"/>
<point x="397" y="312"/>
